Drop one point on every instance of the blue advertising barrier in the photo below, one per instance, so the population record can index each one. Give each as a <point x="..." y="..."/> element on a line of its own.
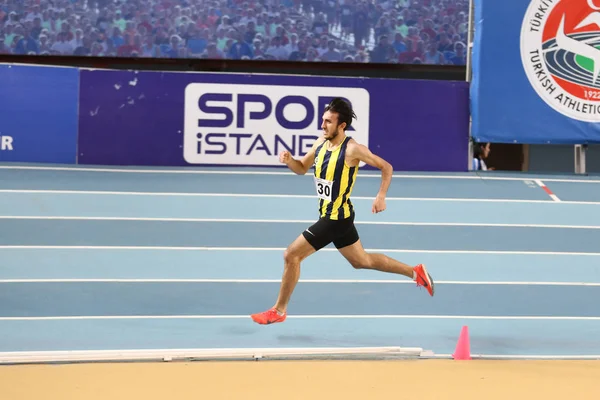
<point x="73" y="116"/>
<point x="38" y="114"/>
<point x="175" y="119"/>
<point x="536" y="72"/>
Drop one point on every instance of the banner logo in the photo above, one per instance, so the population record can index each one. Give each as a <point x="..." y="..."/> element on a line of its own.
<point x="6" y="143"/>
<point x="251" y="124"/>
<point x="560" y="51"/>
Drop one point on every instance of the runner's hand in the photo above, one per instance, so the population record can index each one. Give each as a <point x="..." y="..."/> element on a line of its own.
<point x="378" y="205"/>
<point x="285" y="157"/>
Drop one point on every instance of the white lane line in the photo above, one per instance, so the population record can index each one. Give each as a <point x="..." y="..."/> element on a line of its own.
<point x="211" y="280"/>
<point x="287" y="221"/>
<point x="190" y="171"/>
<point x="205" y="317"/>
<point x="366" y="174"/>
<point x="167" y="194"/>
<point x="202" y="248"/>
<point x="282" y="196"/>
<point x="267" y="195"/>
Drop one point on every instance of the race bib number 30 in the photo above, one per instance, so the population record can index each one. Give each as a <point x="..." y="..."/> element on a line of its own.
<point x="323" y="188"/>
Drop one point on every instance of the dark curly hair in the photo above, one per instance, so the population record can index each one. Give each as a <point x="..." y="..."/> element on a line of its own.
<point x="344" y="110"/>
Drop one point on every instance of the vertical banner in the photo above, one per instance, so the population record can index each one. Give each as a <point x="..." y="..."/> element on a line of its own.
<point x="38" y="114"/>
<point x="536" y="71"/>
<point x="182" y="119"/>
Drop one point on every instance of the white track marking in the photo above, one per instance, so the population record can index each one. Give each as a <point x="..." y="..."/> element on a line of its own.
<point x="145" y="171"/>
<point x="327" y="249"/>
<point x="547" y="190"/>
<point x="288" y="221"/>
<point x="365" y="174"/>
<point x="201" y="280"/>
<point x="204" y="317"/>
<point x="251" y="195"/>
<point x="166" y="194"/>
<point x="278" y="196"/>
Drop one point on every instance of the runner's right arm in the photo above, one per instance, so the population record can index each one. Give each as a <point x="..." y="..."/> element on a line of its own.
<point x="300" y="167"/>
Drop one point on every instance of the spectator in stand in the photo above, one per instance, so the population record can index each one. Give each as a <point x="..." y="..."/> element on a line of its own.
<point x="277" y="50"/>
<point x="331" y="55"/>
<point x="381" y="31"/>
<point x="383" y="52"/>
<point x="3" y="48"/>
<point x="239" y="48"/>
<point x="398" y="43"/>
<point x="433" y="55"/>
<point x="62" y="45"/>
<point x="459" y="57"/>
<point x="293" y="44"/>
<point x="27" y="44"/>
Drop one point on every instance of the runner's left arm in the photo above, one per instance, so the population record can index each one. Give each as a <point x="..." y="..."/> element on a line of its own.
<point x="362" y="153"/>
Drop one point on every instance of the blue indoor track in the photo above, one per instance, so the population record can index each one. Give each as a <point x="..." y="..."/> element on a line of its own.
<point x="140" y="258"/>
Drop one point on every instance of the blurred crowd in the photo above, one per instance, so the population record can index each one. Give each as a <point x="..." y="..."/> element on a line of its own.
<point x="376" y="31"/>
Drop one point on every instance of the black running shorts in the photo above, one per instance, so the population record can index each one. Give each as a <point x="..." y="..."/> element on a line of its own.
<point x="341" y="232"/>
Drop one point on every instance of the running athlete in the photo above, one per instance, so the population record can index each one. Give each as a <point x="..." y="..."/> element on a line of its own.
<point x="336" y="158"/>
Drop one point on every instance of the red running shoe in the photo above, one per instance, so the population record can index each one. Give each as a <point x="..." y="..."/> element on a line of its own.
<point x="269" y="317"/>
<point x="424" y="279"/>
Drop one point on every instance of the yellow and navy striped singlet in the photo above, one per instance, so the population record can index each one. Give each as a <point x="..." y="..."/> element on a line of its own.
<point x="334" y="181"/>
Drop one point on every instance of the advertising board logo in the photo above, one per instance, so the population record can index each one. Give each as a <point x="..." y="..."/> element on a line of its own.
<point x="560" y="51"/>
<point x="6" y="143"/>
<point x="251" y="124"/>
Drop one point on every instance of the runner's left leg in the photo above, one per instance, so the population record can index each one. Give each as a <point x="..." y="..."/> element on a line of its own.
<point x="360" y="259"/>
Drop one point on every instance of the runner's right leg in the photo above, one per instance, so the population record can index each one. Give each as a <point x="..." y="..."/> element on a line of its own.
<point x="292" y="257"/>
<point x="314" y="238"/>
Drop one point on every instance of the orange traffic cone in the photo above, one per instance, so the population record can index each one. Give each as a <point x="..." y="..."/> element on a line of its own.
<point x="463" y="348"/>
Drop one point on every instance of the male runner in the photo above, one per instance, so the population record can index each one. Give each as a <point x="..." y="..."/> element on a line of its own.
<point x="336" y="158"/>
